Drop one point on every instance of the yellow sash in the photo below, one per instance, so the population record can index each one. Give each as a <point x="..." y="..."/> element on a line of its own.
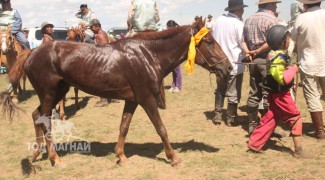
<point x="195" y="40"/>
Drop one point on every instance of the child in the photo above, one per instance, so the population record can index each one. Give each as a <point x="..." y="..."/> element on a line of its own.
<point x="278" y="82"/>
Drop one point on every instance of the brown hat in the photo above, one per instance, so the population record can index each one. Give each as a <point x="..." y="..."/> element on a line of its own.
<point x="310" y="1"/>
<point x="267" y="1"/>
<point x="235" y="5"/>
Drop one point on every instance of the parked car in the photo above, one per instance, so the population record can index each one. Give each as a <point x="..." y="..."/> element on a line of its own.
<point x="35" y="35"/>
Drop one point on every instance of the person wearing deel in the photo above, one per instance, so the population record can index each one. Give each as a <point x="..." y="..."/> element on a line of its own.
<point x="47" y="31"/>
<point x="10" y="16"/>
<point x="86" y="15"/>
<point x="278" y="82"/>
<point x="255" y="29"/>
<point x="101" y="38"/>
<point x="143" y="15"/>
<point x="308" y="34"/>
<point x="228" y="32"/>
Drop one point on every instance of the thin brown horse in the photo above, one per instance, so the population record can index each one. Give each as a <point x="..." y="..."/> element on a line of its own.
<point x="10" y="50"/>
<point x="131" y="69"/>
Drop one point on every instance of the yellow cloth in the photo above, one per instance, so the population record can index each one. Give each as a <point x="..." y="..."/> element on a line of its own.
<point x="189" y="66"/>
<point x="277" y="70"/>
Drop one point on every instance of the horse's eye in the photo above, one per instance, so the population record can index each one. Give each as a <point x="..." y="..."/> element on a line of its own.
<point x="209" y="41"/>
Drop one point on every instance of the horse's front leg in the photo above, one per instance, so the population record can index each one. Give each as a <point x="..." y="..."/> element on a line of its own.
<point x="76" y="103"/>
<point x="151" y="109"/>
<point x="128" y="111"/>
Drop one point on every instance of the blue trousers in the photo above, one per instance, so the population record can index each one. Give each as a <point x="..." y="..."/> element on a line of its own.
<point x="22" y="39"/>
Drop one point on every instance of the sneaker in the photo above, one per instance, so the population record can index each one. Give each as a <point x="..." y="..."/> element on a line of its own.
<point x="171" y="89"/>
<point x="176" y="90"/>
<point x="300" y="154"/>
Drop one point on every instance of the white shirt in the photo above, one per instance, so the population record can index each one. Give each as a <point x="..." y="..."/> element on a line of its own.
<point x="228" y="32"/>
<point x="309" y="34"/>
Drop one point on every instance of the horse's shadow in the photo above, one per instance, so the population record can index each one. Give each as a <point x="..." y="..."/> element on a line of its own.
<point x="149" y="150"/>
<point x="24" y="96"/>
<point x="71" y="110"/>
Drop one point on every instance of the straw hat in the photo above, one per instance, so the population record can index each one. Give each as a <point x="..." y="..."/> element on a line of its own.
<point x="310" y="1"/>
<point x="235" y="5"/>
<point x="267" y="1"/>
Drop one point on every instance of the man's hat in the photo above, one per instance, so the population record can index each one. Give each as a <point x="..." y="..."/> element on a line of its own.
<point x="235" y="5"/>
<point x="310" y="1"/>
<point x="209" y="16"/>
<point x="44" y="24"/>
<point x="5" y="1"/>
<point x="93" y="22"/>
<point x="267" y="1"/>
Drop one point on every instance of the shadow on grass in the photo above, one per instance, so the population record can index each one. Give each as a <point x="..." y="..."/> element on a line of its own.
<point x="72" y="109"/>
<point x="149" y="150"/>
<point x="26" y="95"/>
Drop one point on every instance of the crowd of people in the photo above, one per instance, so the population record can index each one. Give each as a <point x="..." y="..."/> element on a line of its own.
<point x="260" y="41"/>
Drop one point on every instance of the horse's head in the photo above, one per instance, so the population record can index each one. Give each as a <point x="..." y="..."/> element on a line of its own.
<point x="209" y="53"/>
<point x="6" y="40"/>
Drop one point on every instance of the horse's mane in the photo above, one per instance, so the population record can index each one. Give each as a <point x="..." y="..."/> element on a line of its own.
<point x="155" y="35"/>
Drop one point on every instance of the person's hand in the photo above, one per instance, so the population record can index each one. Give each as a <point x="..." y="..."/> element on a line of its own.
<point x="83" y="25"/>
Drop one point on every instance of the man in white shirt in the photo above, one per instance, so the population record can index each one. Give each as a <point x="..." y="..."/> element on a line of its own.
<point x="228" y="32"/>
<point x="308" y="34"/>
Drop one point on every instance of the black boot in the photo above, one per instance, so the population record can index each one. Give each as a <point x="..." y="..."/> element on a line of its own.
<point x="252" y="119"/>
<point x="317" y="118"/>
<point x="219" y="101"/>
<point x="231" y="114"/>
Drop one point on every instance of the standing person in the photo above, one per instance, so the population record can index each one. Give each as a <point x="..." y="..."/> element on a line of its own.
<point x="278" y="81"/>
<point x="10" y="16"/>
<point x="209" y="23"/>
<point x="177" y="74"/>
<point x="143" y="15"/>
<point x="86" y="15"/>
<point x="255" y="29"/>
<point x="310" y="48"/>
<point x="228" y="32"/>
<point x="101" y="38"/>
<point x="47" y="31"/>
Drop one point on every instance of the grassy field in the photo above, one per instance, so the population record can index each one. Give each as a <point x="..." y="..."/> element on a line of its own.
<point x="207" y="151"/>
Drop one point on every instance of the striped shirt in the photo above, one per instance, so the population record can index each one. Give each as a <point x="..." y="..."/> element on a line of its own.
<point x="256" y="26"/>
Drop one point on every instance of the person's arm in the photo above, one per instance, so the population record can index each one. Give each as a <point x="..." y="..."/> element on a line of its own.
<point x="130" y="16"/>
<point x="263" y="49"/>
<point x="157" y="18"/>
<point x="16" y="26"/>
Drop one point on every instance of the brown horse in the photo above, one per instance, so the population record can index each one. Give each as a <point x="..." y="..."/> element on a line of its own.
<point x="131" y="69"/>
<point x="10" y="50"/>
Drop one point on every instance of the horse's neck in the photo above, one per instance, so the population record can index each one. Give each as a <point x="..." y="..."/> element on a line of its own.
<point x="174" y="51"/>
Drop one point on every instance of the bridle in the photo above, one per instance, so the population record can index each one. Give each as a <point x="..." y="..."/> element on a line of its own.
<point x="208" y="63"/>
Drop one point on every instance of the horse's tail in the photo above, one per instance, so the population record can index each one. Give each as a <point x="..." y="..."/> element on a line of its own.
<point x="8" y="106"/>
<point x="17" y="71"/>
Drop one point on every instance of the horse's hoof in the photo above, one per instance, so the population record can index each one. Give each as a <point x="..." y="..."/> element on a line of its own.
<point x="176" y="162"/>
<point x="60" y="165"/>
<point x="122" y="160"/>
<point x="15" y="100"/>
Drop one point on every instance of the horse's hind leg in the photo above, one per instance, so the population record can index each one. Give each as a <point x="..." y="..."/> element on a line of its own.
<point x="39" y="134"/>
<point x="152" y="111"/>
<point x="128" y="112"/>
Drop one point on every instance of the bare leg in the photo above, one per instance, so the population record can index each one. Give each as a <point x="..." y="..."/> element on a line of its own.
<point x="62" y="114"/>
<point x="128" y="112"/>
<point x="152" y="111"/>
